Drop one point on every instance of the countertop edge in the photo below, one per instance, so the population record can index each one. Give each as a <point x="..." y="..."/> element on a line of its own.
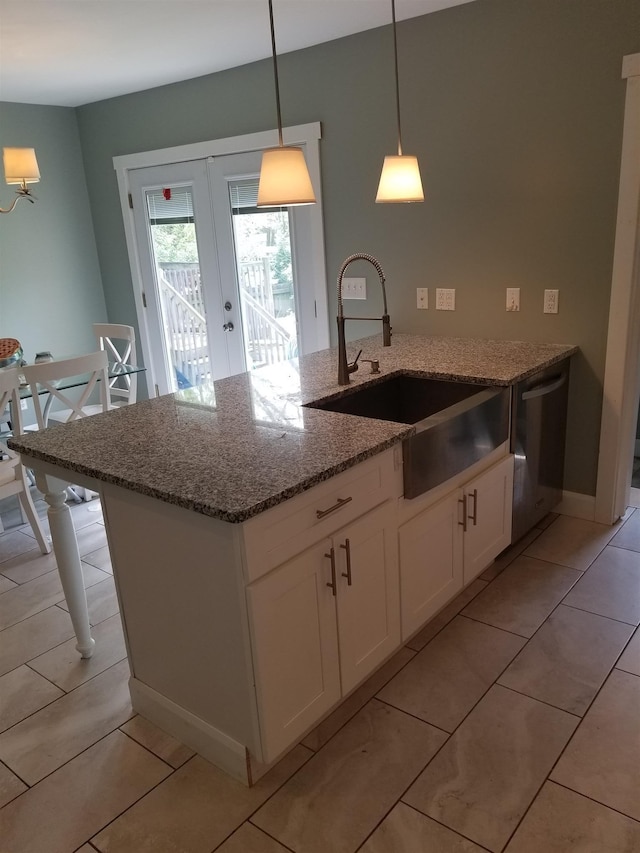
<point x="231" y="516"/>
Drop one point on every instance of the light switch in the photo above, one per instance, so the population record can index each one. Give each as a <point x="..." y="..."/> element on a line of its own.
<point x="513" y="299"/>
<point x="354" y="288"/>
<point x="445" y="299"/>
<point x="422" y="297"/>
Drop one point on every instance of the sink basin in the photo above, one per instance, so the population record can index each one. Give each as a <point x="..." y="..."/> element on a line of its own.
<point x="402" y="399"/>
<point x="457" y="423"/>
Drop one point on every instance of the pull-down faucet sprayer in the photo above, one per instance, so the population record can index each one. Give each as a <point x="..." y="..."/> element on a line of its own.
<point x="344" y="368"/>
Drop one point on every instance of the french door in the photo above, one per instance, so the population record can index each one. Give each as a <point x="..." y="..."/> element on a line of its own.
<point x="219" y="276"/>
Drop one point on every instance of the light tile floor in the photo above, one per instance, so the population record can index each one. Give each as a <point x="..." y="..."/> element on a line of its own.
<point x="510" y="723"/>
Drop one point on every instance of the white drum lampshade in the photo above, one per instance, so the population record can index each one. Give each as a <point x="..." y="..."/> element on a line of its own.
<point x="20" y="166"/>
<point x="284" y="178"/>
<point x="400" y="179"/>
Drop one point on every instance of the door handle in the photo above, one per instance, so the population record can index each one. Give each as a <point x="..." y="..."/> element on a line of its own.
<point x="474" y="515"/>
<point x="544" y="388"/>
<point x="321" y="513"/>
<point x="332" y="556"/>
<point x="228" y="327"/>
<point x="347" y="548"/>
<point x="463" y="523"/>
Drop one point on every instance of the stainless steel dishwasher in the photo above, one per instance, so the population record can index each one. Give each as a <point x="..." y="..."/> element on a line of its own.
<point x="538" y="431"/>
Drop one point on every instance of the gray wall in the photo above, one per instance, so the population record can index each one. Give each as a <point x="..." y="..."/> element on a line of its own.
<point x="50" y="283"/>
<point x="515" y="108"/>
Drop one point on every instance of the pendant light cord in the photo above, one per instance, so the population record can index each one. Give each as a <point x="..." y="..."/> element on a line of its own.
<point x="395" y="59"/>
<point x="275" y="74"/>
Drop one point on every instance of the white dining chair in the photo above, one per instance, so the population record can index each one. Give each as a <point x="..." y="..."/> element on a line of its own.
<point x="91" y="373"/>
<point x="52" y="379"/>
<point x="13" y="479"/>
<point x="119" y="342"/>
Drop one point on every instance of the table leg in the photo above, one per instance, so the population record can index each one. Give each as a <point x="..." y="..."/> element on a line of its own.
<point x="65" y="547"/>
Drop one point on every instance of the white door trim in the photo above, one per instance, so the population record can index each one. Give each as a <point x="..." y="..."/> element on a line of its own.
<point x="306" y="135"/>
<point x="622" y="367"/>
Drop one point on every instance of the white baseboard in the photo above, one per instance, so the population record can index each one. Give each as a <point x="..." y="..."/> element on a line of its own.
<point x="577" y="505"/>
<point x="209" y="742"/>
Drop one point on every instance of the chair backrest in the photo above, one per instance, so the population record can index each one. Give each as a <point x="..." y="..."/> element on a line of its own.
<point x="119" y="342"/>
<point x="45" y="376"/>
<point x="9" y="399"/>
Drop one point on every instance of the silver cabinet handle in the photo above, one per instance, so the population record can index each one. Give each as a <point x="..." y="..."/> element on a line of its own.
<point x="474" y="516"/>
<point x="322" y="513"/>
<point x="228" y="327"/>
<point x="463" y="501"/>
<point x="332" y="556"/>
<point x="347" y="548"/>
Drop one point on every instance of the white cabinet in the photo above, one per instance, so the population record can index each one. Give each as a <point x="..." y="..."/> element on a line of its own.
<point x="488" y="502"/>
<point x="448" y="544"/>
<point x="236" y="640"/>
<point x="430" y="562"/>
<point x="321" y="623"/>
<point x="295" y="647"/>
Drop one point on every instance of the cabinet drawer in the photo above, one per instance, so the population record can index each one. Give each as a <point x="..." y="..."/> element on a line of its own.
<point x="287" y="529"/>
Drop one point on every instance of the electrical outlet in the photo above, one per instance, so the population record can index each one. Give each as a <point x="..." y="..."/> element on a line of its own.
<point x="422" y="296"/>
<point x="354" y="288"/>
<point x="513" y="299"/>
<point x="445" y="299"/>
<point x="551" y="301"/>
<point x="23" y="405"/>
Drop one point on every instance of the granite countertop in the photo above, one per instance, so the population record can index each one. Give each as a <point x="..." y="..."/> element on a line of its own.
<point x="238" y="446"/>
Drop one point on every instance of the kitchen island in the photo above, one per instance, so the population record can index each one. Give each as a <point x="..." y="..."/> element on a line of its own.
<point x="238" y="521"/>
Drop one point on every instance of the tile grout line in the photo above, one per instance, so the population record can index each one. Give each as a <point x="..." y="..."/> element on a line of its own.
<point x="568" y="743"/>
<point x="260" y="829"/>
<point x="593" y="800"/>
<point x="601" y="615"/>
<point x="58" y="698"/>
<point x="173" y="770"/>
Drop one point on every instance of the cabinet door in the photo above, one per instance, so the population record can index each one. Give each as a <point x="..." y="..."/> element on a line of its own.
<point x="430" y="562"/>
<point x="295" y="651"/>
<point x="488" y="530"/>
<point x="369" y="606"/>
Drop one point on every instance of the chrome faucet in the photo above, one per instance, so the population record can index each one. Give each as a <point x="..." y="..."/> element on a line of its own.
<point x="344" y="368"/>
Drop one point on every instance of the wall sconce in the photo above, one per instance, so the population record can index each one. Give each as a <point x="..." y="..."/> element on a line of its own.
<point x="20" y="167"/>
<point x="400" y="179"/>
<point x="284" y="177"/>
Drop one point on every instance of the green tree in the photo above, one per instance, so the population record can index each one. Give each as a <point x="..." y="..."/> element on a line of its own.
<point x="175" y="243"/>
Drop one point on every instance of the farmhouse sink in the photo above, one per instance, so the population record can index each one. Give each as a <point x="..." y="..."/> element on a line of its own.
<point x="457" y="423"/>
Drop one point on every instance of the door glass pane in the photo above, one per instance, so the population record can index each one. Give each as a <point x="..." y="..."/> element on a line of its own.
<point x="175" y="253"/>
<point x="265" y="276"/>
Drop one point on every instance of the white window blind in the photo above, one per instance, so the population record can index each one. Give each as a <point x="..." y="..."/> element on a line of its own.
<point x="177" y="208"/>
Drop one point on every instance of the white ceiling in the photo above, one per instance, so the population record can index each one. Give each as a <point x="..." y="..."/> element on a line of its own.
<point x="73" y="52"/>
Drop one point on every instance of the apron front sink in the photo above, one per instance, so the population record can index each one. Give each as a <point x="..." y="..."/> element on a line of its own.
<point x="457" y="423"/>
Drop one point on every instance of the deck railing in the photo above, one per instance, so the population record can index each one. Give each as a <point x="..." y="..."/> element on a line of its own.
<point x="185" y="325"/>
<point x="266" y="340"/>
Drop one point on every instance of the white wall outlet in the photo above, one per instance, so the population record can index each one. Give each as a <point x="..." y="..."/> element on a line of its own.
<point x="513" y="299"/>
<point x="422" y="297"/>
<point x="23" y="405"/>
<point x="354" y="288"/>
<point x="551" y="301"/>
<point x="445" y="299"/>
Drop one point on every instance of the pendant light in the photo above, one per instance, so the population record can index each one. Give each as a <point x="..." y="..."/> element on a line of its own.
<point x="400" y="179"/>
<point x="284" y="177"/>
